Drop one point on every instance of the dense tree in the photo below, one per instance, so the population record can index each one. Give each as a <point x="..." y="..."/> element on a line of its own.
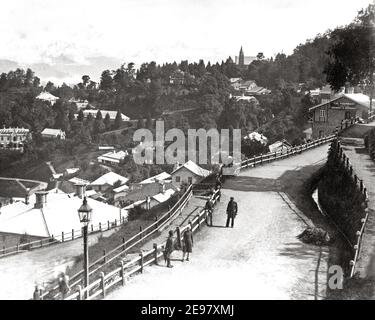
<point x="352" y="53"/>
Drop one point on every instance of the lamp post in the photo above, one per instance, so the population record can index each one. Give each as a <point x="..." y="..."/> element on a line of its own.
<point x="84" y="214"/>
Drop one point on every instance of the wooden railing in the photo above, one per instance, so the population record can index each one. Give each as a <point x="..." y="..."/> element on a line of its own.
<point x="61" y="238"/>
<point x="358" y="183"/>
<point x="129" y="244"/>
<point x="100" y="287"/>
<point x="273" y="156"/>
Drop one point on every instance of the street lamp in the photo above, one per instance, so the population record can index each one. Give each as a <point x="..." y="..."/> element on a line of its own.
<point x="84" y="214"/>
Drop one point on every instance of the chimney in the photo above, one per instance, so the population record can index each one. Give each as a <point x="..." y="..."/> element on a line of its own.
<point x="161" y="186"/>
<point x="80" y="190"/>
<point x="41" y="199"/>
<point x="27" y="196"/>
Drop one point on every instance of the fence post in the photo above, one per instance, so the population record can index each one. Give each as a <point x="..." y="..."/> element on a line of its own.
<point x="79" y="292"/>
<point x="141" y="261"/>
<point x="198" y="222"/>
<point x="140" y="232"/>
<point x="123" y="244"/>
<point x="156" y="222"/>
<point x="261" y="158"/>
<point x="191" y="225"/>
<point x="18" y="247"/>
<point x="92" y="228"/>
<point x="122" y="273"/>
<point x="115" y="222"/>
<point x="155" y="246"/>
<point x="4" y="249"/>
<point x="72" y="234"/>
<point x="62" y="236"/>
<point x="102" y="283"/>
<point x="41" y="243"/>
<point x="104" y="257"/>
<point x="108" y="224"/>
<point x="100" y="226"/>
<point x="178" y="231"/>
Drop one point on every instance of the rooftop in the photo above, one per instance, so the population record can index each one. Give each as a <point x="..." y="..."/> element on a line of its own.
<point x="109" y="178"/>
<point x="160" y="177"/>
<point x="53" y="132"/>
<point x="59" y="214"/>
<point x="194" y="168"/>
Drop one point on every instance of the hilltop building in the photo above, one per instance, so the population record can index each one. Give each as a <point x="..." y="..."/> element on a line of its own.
<point x="53" y="134"/>
<point x="14" y="138"/>
<point x="113" y="158"/>
<point x="48" y="97"/>
<point x="243" y="61"/>
<point x="112" y="114"/>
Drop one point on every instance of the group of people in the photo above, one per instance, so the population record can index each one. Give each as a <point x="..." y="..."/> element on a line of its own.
<point x="63" y="286"/>
<point x="187" y="237"/>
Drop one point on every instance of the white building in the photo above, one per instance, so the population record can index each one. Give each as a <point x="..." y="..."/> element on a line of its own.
<point x="164" y="176"/>
<point x="108" y="180"/>
<point x="13" y="138"/>
<point x="280" y="146"/>
<point x="48" y="97"/>
<point x="113" y="158"/>
<point x="53" y="134"/>
<point x="188" y="173"/>
<point x="49" y="213"/>
<point x="112" y="114"/>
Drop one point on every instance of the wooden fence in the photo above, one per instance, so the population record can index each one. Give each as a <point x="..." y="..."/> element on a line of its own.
<point x="344" y="161"/>
<point x="273" y="156"/>
<point x="100" y="287"/>
<point x="121" y="250"/>
<point x="61" y="238"/>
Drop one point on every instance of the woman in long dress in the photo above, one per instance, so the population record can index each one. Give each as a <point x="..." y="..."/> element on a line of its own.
<point x="187" y="243"/>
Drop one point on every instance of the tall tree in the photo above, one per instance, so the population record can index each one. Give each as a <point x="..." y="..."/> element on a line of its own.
<point x="352" y="54"/>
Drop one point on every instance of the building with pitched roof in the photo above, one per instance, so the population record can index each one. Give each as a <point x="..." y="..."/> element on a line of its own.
<point x="107" y="181"/>
<point x="113" y="158"/>
<point x="48" y="97"/>
<point x="14" y="138"/>
<point x="330" y="115"/>
<point x="188" y="173"/>
<point x="49" y="213"/>
<point x="49" y="133"/>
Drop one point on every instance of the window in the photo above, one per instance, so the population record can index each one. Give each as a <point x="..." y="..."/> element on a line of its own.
<point x="178" y="179"/>
<point x="322" y="115"/>
<point x="190" y="180"/>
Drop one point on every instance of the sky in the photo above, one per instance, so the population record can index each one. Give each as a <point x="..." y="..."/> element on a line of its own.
<point x="72" y="31"/>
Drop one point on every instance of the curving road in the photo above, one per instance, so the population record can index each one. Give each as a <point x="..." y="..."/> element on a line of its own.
<point x="259" y="259"/>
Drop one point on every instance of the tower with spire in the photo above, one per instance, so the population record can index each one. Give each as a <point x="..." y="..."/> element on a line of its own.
<point x="241" y="58"/>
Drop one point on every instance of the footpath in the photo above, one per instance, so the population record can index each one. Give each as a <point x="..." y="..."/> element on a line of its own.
<point x="364" y="167"/>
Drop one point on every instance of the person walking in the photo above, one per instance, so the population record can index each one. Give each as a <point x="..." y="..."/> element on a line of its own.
<point x="64" y="285"/>
<point x="37" y="293"/>
<point x="169" y="247"/>
<point x="209" y="208"/>
<point x="232" y="210"/>
<point x="187" y="244"/>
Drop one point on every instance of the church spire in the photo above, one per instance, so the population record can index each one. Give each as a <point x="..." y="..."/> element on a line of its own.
<point x="241" y="58"/>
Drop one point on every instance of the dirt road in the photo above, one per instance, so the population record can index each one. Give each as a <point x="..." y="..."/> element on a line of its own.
<point x="260" y="258"/>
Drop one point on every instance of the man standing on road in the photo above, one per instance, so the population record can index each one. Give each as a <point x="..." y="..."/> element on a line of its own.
<point x="169" y="249"/>
<point x="209" y="208"/>
<point x="231" y="212"/>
